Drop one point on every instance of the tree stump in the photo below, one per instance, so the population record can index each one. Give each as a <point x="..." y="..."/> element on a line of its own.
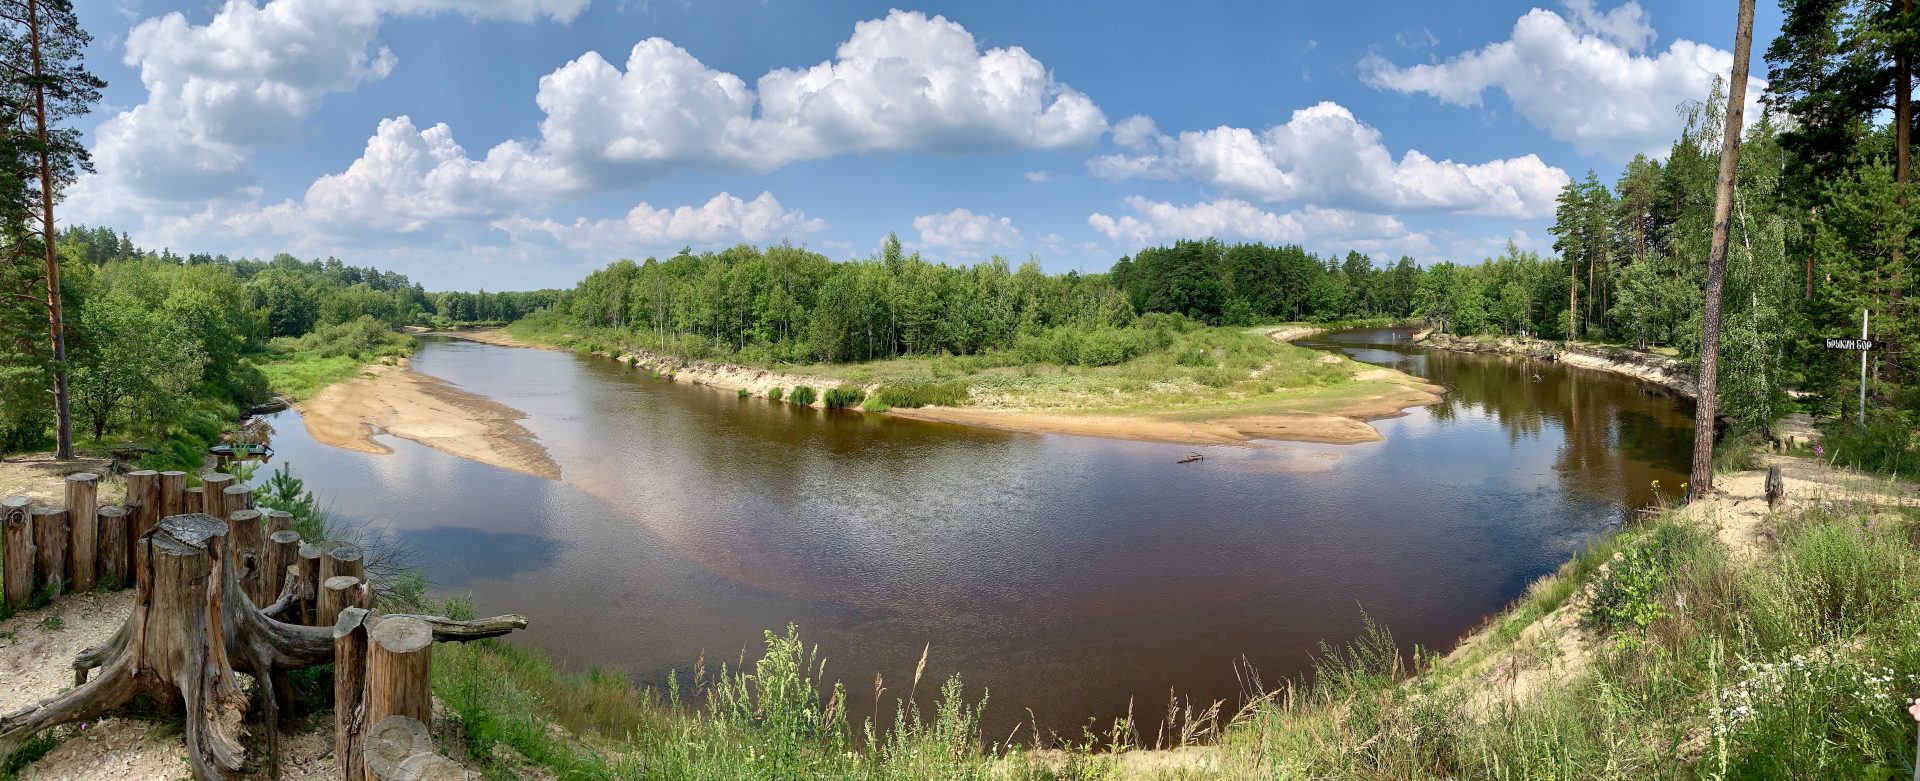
<point x="16" y="551"/>
<point x="115" y="566"/>
<point x="245" y="543"/>
<point x="1776" y="487"/>
<point x="336" y="594"/>
<point x="341" y="558"/>
<point x="187" y="637"/>
<point x="51" y="564"/>
<point x="213" y="494"/>
<point x="239" y="497"/>
<point x="400" y="749"/>
<point x="349" y="687"/>
<point x="399" y="666"/>
<point x="83" y="550"/>
<point x="143" y="502"/>
<point x="283" y="549"/>
<point x="173" y="495"/>
<point x="194" y="501"/>
<point x="309" y="575"/>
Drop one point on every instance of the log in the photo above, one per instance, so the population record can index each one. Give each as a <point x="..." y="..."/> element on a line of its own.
<point x="187" y="638"/>
<point x="1776" y="487"/>
<point x="50" y="557"/>
<point x="115" y="566"/>
<point x="277" y="520"/>
<point x="246" y="543"/>
<point x="193" y="501"/>
<point x="213" y="494"/>
<point x="173" y="494"/>
<point x="83" y="526"/>
<point x="349" y="687"/>
<point x="310" y="577"/>
<point x="341" y="558"/>
<point x="283" y="549"/>
<point x="16" y="551"/>
<point x="400" y="748"/>
<point x="336" y="594"/>
<point x="143" y="502"/>
<point x="399" y="661"/>
<point x="239" y="497"/>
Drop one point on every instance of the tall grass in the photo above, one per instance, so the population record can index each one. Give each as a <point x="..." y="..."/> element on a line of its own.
<point x="1798" y="662"/>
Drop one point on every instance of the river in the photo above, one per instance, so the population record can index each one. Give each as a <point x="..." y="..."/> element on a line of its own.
<point x="1069" y="576"/>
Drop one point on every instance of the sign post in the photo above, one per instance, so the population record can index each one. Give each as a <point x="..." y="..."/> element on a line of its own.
<point x="1861" y="345"/>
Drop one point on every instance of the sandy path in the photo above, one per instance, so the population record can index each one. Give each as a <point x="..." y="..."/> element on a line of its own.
<point x="400" y="401"/>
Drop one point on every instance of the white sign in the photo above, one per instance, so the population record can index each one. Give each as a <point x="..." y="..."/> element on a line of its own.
<point x="1849" y="344"/>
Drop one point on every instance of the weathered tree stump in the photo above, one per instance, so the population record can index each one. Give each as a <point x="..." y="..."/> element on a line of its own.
<point x="309" y="575"/>
<point x="194" y="501"/>
<point x="349" y="687"/>
<point x="16" y="551"/>
<point x="400" y="748"/>
<point x="83" y="550"/>
<point x="283" y="549"/>
<point x="213" y="494"/>
<point x="1776" y="486"/>
<point x="187" y="638"/>
<point x="173" y="494"/>
<point x="239" y="497"/>
<point x="246" y="541"/>
<point x="336" y="594"/>
<point x="341" y="558"/>
<point x="115" y="566"/>
<point x="399" y="667"/>
<point x="51" y="563"/>
<point x="143" y="502"/>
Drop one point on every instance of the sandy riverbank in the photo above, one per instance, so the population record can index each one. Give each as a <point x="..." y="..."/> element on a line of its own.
<point x="399" y="401"/>
<point x="1328" y="416"/>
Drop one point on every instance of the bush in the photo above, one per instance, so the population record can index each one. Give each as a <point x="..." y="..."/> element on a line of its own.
<point x="1886" y="444"/>
<point x="844" y="396"/>
<point x="801" y="395"/>
<point x="743" y="393"/>
<point x="910" y="394"/>
<point x="775" y="394"/>
<point x="363" y="339"/>
<point x="874" y="404"/>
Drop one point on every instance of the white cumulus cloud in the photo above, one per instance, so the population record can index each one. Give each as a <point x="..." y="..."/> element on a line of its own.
<point x="1582" y="79"/>
<point x="1333" y="230"/>
<point x="1324" y="154"/>
<point x="724" y="220"/>
<point x="961" y="229"/>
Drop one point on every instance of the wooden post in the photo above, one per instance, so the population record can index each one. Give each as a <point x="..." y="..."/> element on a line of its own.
<point x="213" y="492"/>
<point x="193" y="500"/>
<point x="399" y="748"/>
<point x="349" y="688"/>
<point x="239" y="497"/>
<point x="115" y="567"/>
<point x="83" y="548"/>
<point x="336" y="594"/>
<point x="283" y="549"/>
<point x="245" y="543"/>
<point x="399" y="681"/>
<point x="310" y="576"/>
<point x="50" y="559"/>
<point x="173" y="495"/>
<point x="1776" y="487"/>
<point x="16" y="551"/>
<point x="143" y="503"/>
<point x="340" y="558"/>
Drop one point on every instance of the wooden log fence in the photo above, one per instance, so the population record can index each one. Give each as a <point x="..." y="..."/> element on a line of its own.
<point x="294" y="588"/>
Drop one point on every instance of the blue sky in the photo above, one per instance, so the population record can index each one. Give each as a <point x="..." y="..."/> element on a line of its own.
<point x="511" y="144"/>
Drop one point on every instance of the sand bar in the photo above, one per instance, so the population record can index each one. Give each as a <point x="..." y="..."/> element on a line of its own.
<point x="396" y="400"/>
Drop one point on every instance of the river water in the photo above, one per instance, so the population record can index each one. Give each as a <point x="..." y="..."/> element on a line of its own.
<point x="1067" y="575"/>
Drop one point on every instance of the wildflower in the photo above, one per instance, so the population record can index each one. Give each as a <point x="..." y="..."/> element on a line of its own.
<point x="1819" y="451"/>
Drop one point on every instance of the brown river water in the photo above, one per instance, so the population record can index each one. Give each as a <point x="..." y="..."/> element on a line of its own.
<point x="1067" y="576"/>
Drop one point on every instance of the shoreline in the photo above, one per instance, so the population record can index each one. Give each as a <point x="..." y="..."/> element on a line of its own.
<point x="394" y="399"/>
<point x="1668" y="373"/>
<point x="1377" y="393"/>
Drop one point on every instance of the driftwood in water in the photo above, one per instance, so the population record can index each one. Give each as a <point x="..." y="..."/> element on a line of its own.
<point x="50" y="559"/>
<point x="190" y="631"/>
<point x="16" y="551"/>
<point x="83" y="548"/>
<point x="114" y="562"/>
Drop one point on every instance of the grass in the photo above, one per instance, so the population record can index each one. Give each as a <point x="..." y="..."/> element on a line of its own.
<point x="299" y="368"/>
<point x="1796" y="663"/>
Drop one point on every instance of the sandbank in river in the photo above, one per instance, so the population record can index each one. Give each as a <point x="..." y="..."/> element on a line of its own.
<point x="396" y="400"/>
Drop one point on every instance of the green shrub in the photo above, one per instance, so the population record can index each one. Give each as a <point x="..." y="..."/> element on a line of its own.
<point x="874" y="404"/>
<point x="844" y="396"/>
<point x="775" y="394"/>
<point x="362" y="340"/>
<point x="912" y="394"/>
<point x="801" y="395"/>
<point x="744" y="393"/>
<point x="1888" y="443"/>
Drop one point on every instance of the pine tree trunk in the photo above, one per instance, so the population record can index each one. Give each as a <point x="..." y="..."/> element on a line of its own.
<point x="56" y="319"/>
<point x="1700" y="482"/>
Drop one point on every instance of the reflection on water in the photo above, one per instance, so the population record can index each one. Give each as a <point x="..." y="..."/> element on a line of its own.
<point x="1069" y="575"/>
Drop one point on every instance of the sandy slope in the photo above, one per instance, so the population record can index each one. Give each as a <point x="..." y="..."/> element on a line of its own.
<point x="425" y="409"/>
